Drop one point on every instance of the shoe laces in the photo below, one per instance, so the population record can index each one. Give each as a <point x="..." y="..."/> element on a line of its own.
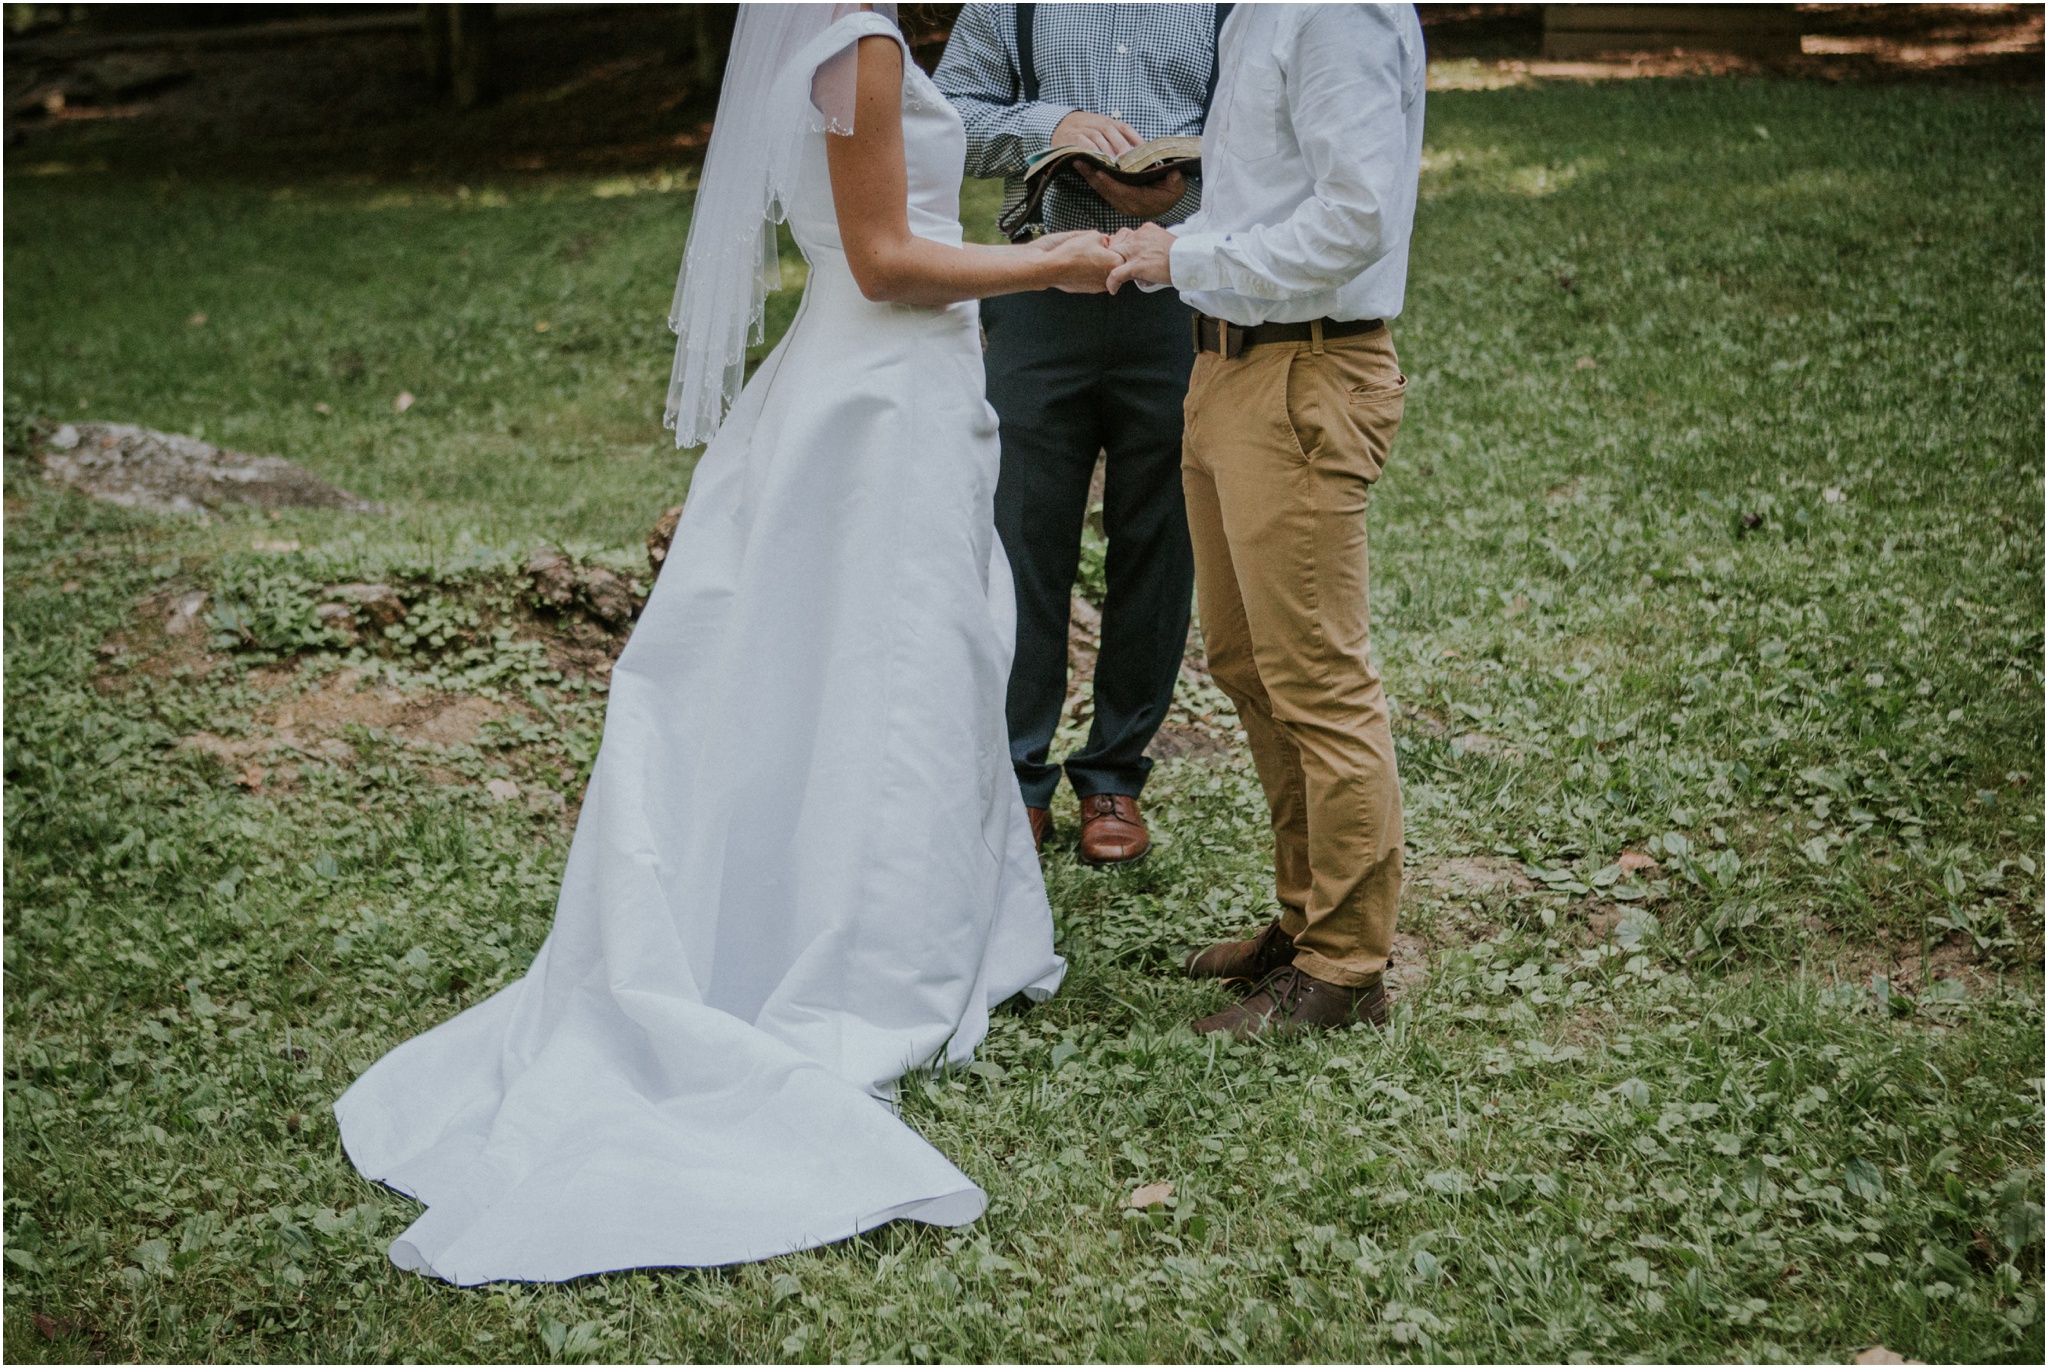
<point x="1103" y="805"/>
<point x="1285" y="986"/>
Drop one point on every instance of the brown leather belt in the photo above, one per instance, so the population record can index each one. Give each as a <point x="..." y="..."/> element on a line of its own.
<point x="1217" y="335"/>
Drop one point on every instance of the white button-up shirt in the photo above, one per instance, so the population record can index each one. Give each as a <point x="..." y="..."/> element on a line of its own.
<point x="1309" y="166"/>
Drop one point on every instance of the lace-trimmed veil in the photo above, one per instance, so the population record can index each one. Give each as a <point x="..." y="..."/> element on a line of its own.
<point x="730" y="262"/>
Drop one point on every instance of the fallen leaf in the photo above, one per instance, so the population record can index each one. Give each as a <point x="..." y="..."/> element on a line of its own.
<point x="1152" y="1194"/>
<point x="542" y="326"/>
<point x="1635" y="862"/>
<point x="1877" y="1353"/>
<point x="403" y="402"/>
<point x="504" y="790"/>
<point x="322" y="408"/>
<point x="251" y="778"/>
<point x="70" y="586"/>
<point x="48" y="1328"/>
<point x="197" y="320"/>
<point x="1584" y="363"/>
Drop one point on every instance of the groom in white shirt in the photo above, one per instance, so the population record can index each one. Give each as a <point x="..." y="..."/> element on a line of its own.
<point x="1294" y="264"/>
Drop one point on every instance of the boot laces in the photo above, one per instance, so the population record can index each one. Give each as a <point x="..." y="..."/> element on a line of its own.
<point x="1285" y="986"/>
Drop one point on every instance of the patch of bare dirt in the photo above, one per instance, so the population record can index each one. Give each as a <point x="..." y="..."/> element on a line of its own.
<point x="308" y="725"/>
<point x="169" y="633"/>
<point x="1902" y="966"/>
<point x="1409" y="965"/>
<point x="1472" y="876"/>
<point x="343" y="699"/>
<point x="1436" y="924"/>
<point x="1181" y="741"/>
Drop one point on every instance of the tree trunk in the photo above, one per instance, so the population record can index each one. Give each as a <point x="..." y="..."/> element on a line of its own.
<point x="434" y="46"/>
<point x="470" y="33"/>
<point x="712" y="27"/>
<point x="458" y="50"/>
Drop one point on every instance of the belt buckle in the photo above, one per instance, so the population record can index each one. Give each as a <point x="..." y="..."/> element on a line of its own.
<point x="1229" y="337"/>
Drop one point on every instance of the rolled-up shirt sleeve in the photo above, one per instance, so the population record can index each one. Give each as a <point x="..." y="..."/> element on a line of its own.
<point x="979" y="78"/>
<point x="1345" y="98"/>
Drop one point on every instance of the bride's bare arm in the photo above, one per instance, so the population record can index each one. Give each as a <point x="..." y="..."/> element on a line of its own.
<point x="870" y="194"/>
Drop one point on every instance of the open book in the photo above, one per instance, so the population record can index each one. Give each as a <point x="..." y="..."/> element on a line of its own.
<point x="1142" y="165"/>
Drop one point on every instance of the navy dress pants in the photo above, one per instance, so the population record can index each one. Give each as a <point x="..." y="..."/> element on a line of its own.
<point x="1071" y="376"/>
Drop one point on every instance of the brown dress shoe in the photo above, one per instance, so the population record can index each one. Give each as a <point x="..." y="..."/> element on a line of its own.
<point x="1245" y="961"/>
<point x="1041" y="826"/>
<point x="1288" y="1000"/>
<point x="1112" y="830"/>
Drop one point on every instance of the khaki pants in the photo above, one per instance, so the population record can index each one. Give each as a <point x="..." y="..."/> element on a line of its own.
<point x="1282" y="445"/>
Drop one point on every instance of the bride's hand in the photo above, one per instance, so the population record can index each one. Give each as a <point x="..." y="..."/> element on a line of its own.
<point x="1081" y="261"/>
<point x="1046" y="242"/>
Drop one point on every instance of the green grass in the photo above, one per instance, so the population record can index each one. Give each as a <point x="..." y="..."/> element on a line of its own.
<point x="1757" y="591"/>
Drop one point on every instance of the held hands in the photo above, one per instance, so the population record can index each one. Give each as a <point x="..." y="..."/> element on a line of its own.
<point x="1079" y="262"/>
<point x="1084" y="262"/>
<point x="1147" y="253"/>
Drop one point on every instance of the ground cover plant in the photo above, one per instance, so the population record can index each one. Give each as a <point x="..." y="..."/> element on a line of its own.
<point x="1707" y="587"/>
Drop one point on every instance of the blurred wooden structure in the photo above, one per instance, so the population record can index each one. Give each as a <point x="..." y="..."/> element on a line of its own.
<point x="1580" y="31"/>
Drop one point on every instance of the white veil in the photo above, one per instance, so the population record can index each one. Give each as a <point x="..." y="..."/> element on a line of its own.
<point x="730" y="262"/>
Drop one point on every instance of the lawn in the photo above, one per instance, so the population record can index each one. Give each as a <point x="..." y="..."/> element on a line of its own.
<point x="1707" y="586"/>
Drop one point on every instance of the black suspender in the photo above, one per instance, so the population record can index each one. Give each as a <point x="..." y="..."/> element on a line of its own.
<point x="1027" y="65"/>
<point x="1215" y="59"/>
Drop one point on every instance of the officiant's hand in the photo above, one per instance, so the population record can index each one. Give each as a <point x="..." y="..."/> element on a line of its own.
<point x="1081" y="261"/>
<point x="1111" y="137"/>
<point x="1139" y="201"/>
<point x="1147" y="252"/>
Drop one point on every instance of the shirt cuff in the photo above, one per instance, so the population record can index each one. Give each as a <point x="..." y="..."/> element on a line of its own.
<point x="1035" y="124"/>
<point x="1194" y="261"/>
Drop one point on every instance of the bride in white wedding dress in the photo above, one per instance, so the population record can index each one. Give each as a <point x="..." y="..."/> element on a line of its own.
<point x="802" y="866"/>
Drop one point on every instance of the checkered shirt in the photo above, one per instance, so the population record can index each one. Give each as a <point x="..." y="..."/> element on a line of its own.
<point x="1145" y="64"/>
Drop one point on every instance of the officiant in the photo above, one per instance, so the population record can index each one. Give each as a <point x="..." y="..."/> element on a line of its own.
<point x="1074" y="375"/>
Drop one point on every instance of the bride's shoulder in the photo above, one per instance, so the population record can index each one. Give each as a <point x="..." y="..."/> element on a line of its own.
<point x="850" y="29"/>
<point x="856" y="25"/>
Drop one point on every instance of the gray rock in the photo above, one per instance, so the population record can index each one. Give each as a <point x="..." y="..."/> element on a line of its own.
<point x="184" y="612"/>
<point x="165" y="472"/>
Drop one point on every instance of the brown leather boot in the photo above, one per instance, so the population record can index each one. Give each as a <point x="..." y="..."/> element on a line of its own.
<point x="1041" y="826"/>
<point x="1246" y="961"/>
<point x="1288" y="1000"/>
<point x="1112" y="830"/>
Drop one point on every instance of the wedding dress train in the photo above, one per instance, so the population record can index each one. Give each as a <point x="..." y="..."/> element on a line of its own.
<point x="802" y="866"/>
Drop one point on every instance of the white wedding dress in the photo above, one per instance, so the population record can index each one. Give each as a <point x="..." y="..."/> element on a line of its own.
<point x="802" y="867"/>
